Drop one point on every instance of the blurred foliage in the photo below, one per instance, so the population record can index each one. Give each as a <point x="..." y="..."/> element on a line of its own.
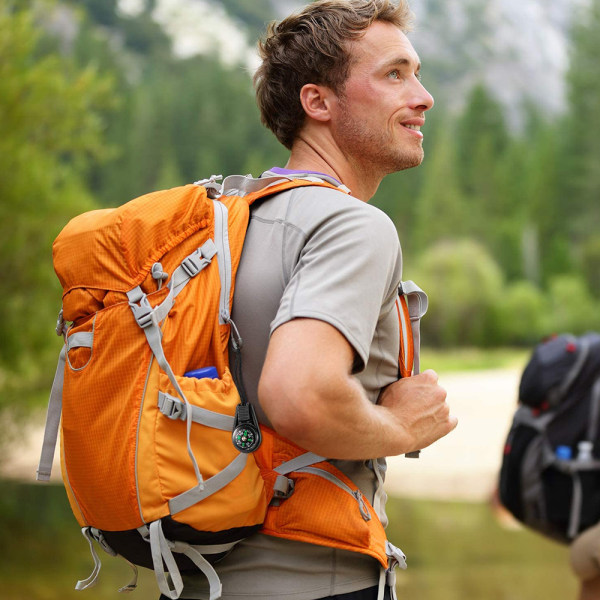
<point x="463" y="282"/>
<point x="520" y="314"/>
<point x="52" y="119"/>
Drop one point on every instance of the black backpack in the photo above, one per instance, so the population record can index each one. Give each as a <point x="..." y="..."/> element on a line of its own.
<point x="550" y="475"/>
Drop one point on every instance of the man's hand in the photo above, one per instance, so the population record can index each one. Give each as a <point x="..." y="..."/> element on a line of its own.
<point x="418" y="405"/>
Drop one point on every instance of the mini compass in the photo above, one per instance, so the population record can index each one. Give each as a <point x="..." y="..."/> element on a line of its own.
<point x="246" y="431"/>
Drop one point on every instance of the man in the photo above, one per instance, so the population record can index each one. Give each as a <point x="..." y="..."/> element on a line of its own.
<point x="318" y="280"/>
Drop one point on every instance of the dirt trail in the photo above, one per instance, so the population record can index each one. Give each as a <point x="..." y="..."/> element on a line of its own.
<point x="461" y="466"/>
<point x="464" y="465"/>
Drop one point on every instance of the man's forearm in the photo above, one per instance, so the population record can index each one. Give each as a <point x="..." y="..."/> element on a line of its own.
<point x="325" y="410"/>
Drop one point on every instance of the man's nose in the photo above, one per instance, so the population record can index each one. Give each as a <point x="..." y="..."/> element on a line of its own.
<point x="422" y="99"/>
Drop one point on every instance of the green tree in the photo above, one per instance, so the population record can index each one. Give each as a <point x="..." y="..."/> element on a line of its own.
<point x="520" y="315"/>
<point x="529" y="236"/>
<point x="463" y="282"/>
<point x="441" y="210"/>
<point x="482" y="139"/>
<point x="581" y="134"/>
<point x="51" y="122"/>
<point x="572" y="308"/>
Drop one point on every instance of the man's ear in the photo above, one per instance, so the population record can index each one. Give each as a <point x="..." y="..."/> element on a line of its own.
<point x="316" y="101"/>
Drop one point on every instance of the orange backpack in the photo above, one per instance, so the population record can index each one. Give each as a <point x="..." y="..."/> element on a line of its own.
<point x="161" y="458"/>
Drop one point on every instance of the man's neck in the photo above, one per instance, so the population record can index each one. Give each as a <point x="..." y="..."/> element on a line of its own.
<point x="307" y="156"/>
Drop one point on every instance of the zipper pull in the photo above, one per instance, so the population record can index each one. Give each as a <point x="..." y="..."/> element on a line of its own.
<point x="362" y="505"/>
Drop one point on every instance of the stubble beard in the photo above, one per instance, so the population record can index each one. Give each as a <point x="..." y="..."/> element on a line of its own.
<point x="374" y="151"/>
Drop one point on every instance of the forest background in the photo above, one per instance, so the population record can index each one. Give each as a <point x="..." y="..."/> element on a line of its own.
<point x="499" y="225"/>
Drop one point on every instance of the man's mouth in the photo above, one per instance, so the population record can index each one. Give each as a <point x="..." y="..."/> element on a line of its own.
<point x="414" y="128"/>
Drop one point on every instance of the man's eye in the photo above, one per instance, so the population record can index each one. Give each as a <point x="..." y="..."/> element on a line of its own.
<point x="395" y="74"/>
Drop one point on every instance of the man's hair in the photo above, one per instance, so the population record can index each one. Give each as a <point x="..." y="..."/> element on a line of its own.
<point x="311" y="46"/>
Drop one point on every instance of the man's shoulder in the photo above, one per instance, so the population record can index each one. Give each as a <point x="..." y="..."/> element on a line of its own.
<point x="313" y="206"/>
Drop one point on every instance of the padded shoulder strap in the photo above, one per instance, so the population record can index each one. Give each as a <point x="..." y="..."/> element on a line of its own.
<point x="252" y="189"/>
<point x="411" y="305"/>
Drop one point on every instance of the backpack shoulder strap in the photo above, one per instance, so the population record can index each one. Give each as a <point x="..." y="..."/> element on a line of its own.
<point x="254" y="188"/>
<point x="411" y="305"/>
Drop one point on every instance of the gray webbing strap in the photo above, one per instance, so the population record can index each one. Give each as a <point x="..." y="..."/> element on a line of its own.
<point x="91" y="534"/>
<point x="196" y="557"/>
<point x="52" y="420"/>
<point x="209" y="486"/>
<point x="594" y="419"/>
<point x="162" y="550"/>
<point x="574" y="371"/>
<point x="214" y="548"/>
<point x="379" y="468"/>
<point x="154" y="337"/>
<point x="304" y="460"/>
<point x="381" y="584"/>
<point x="176" y="409"/>
<point x="576" y="502"/>
<point x="91" y="580"/>
<point x="132" y="585"/>
<point x="396" y="558"/>
<point x="149" y="318"/>
<point x="417" y="302"/>
<point x="524" y="416"/>
<point x="223" y="259"/>
<point x="284" y="487"/>
<point x="311" y="177"/>
<point x="190" y="267"/>
<point x="81" y="339"/>
<point x="242" y="185"/>
<point x="212" y="185"/>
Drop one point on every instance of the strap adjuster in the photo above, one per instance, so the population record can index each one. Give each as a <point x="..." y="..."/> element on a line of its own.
<point x="192" y="265"/>
<point x="283" y="487"/>
<point x="143" y="313"/>
<point x="61" y="326"/>
<point x="171" y="407"/>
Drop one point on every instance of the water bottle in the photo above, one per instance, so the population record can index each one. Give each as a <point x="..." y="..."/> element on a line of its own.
<point x="584" y="450"/>
<point x="204" y="373"/>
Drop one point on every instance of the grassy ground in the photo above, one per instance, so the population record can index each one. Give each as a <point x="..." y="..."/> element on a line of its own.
<point x="455" y="551"/>
<point x="473" y="359"/>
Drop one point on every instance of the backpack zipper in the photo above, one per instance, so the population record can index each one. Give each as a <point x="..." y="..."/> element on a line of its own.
<point x="356" y="494"/>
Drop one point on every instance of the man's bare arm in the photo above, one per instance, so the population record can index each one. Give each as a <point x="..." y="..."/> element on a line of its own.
<point x="310" y="396"/>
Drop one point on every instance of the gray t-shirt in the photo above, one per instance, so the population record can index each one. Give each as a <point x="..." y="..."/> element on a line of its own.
<point x="317" y="253"/>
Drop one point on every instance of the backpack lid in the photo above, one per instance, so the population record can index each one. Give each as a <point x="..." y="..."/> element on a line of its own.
<point x="549" y="368"/>
<point x="114" y="249"/>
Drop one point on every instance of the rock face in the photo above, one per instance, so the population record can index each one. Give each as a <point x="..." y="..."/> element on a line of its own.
<point x="518" y="48"/>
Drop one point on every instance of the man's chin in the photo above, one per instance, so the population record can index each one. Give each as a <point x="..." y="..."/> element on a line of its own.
<point x="409" y="161"/>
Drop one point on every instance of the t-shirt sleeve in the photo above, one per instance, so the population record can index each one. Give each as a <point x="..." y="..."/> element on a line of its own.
<point x="346" y="273"/>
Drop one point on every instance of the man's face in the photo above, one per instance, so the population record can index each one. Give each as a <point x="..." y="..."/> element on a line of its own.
<point x="377" y="118"/>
